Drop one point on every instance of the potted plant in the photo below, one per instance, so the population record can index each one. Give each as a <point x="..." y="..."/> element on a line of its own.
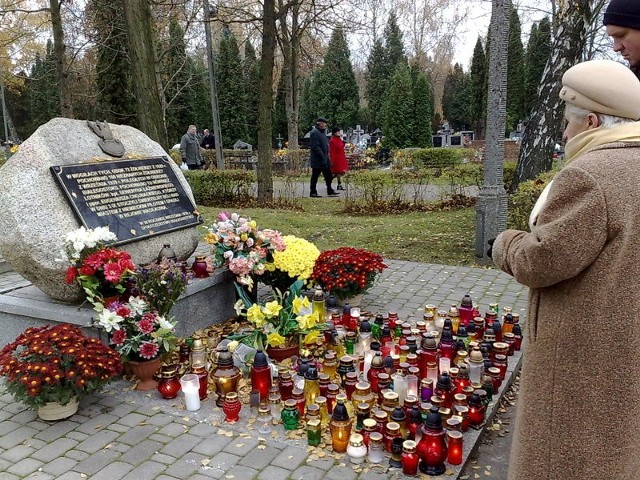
<point x="237" y="243"/>
<point x="293" y="263"/>
<point x="140" y="335"/>
<point x="285" y="321"/>
<point x="50" y="368"/>
<point x="103" y="272"/>
<point x="347" y="272"/>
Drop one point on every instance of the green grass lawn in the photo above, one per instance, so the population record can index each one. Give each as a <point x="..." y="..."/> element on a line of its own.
<point x="445" y="237"/>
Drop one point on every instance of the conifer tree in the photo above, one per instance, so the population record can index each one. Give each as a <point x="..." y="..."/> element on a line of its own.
<point x="251" y="70"/>
<point x="44" y="97"/>
<point x="335" y="84"/>
<point x="178" y="115"/>
<point x="455" y="100"/>
<point x="398" y="110"/>
<point x="231" y="91"/>
<point x="477" y="89"/>
<point x="538" y="52"/>
<point x="515" y="75"/>
<point x="279" y="123"/>
<point x="422" y="109"/>
<point x="308" y="113"/>
<point x="393" y="44"/>
<point x="376" y="77"/>
<point x="115" y="99"/>
<point x="199" y="97"/>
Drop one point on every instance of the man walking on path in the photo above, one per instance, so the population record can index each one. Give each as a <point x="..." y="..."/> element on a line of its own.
<point x="319" y="158"/>
<point x="622" y="19"/>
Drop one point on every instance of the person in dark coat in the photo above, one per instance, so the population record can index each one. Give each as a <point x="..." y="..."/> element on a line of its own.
<point x="622" y="19"/>
<point x="319" y="158"/>
<point x="190" y="149"/>
<point x="208" y="141"/>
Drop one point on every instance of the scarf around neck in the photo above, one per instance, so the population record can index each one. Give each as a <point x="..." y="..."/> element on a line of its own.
<point x="581" y="144"/>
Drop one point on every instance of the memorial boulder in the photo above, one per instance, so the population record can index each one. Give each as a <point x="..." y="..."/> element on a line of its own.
<point x="61" y="178"/>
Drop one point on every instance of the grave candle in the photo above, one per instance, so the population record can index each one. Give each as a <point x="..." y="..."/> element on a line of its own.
<point x="190" y="387"/>
<point x="454" y="447"/>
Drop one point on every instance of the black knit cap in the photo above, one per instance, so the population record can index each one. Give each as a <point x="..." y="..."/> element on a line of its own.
<point x="623" y="13"/>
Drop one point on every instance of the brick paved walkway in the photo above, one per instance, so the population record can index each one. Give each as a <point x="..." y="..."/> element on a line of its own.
<point x="126" y="434"/>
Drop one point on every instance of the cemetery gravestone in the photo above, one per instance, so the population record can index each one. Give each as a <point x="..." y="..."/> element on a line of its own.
<point x="36" y="214"/>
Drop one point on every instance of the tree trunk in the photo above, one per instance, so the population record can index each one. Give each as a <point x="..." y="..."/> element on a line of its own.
<point x="491" y="207"/>
<point x="66" y="106"/>
<point x="143" y="65"/>
<point x="290" y="42"/>
<point x="265" y="179"/>
<point x="544" y="129"/>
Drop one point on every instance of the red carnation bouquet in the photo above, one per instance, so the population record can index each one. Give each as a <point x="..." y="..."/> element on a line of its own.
<point x="55" y="364"/>
<point x="346" y="271"/>
<point x="102" y="271"/>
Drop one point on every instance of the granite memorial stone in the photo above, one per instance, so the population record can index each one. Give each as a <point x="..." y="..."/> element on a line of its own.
<point x="36" y="214"/>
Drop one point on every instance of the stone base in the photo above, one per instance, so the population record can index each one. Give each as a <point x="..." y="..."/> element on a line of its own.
<point x="207" y="301"/>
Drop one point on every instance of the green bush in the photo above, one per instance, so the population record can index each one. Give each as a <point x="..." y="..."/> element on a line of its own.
<point x="219" y="187"/>
<point x="522" y="201"/>
<point x="508" y="175"/>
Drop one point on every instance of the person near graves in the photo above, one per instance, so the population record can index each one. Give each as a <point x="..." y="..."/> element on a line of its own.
<point x="190" y="149"/>
<point x="622" y="19"/>
<point x="337" y="156"/>
<point x="319" y="158"/>
<point x="581" y="261"/>
<point x="208" y="141"/>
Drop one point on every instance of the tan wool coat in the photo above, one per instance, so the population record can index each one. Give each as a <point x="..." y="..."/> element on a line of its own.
<point x="578" y="410"/>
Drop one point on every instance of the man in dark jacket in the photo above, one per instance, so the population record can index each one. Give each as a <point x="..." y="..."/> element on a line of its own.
<point x="208" y="140"/>
<point x="190" y="149"/>
<point x="319" y="158"/>
<point x="622" y="19"/>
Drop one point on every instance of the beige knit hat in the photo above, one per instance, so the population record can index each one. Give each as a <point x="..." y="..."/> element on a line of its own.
<point x="602" y="86"/>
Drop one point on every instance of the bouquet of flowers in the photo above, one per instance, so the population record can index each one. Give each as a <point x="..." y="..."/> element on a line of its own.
<point x="288" y="317"/>
<point x="55" y="364"/>
<point x="346" y="271"/>
<point x="236" y="242"/>
<point x="100" y="270"/>
<point x="161" y="283"/>
<point x="295" y="262"/>
<point x="137" y="331"/>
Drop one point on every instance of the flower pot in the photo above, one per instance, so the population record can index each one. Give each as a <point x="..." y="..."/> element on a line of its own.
<point x="145" y="371"/>
<point x="54" y="411"/>
<point x="279" y="354"/>
<point x="354" y="301"/>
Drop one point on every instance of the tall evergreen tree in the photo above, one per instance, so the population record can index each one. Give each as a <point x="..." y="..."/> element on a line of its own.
<point x="251" y="70"/>
<point x="199" y="98"/>
<point x="377" y="81"/>
<point x="422" y="111"/>
<point x="115" y="99"/>
<point x="393" y="44"/>
<point x="178" y="115"/>
<point x="231" y="91"/>
<point x="335" y="86"/>
<point x="477" y="89"/>
<point x="538" y="52"/>
<point x="456" y="99"/>
<point x="44" y="97"/>
<point x="399" y="110"/>
<point x="308" y="112"/>
<point x="516" y="75"/>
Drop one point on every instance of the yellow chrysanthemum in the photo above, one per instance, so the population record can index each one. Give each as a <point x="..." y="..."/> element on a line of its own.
<point x="300" y="304"/>
<point x="272" y="309"/>
<point x="255" y="315"/>
<point x="298" y="258"/>
<point x="211" y="238"/>
<point x="307" y="322"/>
<point x="275" y="339"/>
<point x="311" y="337"/>
<point x="253" y="224"/>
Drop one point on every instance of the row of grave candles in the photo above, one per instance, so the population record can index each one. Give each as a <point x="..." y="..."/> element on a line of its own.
<point x="375" y="373"/>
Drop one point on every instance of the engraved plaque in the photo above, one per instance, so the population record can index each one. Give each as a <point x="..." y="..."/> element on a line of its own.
<point x="135" y="198"/>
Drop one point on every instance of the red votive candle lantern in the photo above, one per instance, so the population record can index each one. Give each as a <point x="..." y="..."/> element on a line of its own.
<point x="454" y="447"/>
<point x="261" y="375"/>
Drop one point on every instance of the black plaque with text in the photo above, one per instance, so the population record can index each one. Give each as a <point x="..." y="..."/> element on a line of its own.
<point x="135" y="198"/>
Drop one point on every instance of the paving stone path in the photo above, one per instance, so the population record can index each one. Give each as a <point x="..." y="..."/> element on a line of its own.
<point x="124" y="434"/>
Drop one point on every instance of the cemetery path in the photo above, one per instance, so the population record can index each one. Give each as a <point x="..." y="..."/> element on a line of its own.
<point x="410" y="192"/>
<point x="121" y="433"/>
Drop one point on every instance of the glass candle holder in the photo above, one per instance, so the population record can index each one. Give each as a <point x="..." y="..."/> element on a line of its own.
<point x="231" y="407"/>
<point x="376" y="450"/>
<point x="356" y="451"/>
<point x="314" y="432"/>
<point x="264" y="420"/>
<point x="395" y="461"/>
<point x="290" y="415"/>
<point x="410" y="458"/>
<point x="340" y="425"/>
<point x="169" y="385"/>
<point x="190" y="385"/>
<point x="412" y="385"/>
<point x="426" y="389"/>
<point x="455" y="447"/>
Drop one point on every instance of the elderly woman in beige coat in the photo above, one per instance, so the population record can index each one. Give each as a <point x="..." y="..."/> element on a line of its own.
<point x="578" y="412"/>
